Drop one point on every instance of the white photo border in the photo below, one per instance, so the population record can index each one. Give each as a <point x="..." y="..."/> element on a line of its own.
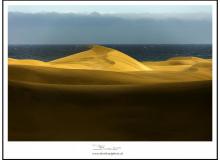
<point x="129" y="149"/>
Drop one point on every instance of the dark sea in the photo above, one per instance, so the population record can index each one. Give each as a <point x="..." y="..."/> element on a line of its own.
<point x="150" y="52"/>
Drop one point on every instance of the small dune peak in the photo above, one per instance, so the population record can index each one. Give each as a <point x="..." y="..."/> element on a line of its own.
<point x="100" y="49"/>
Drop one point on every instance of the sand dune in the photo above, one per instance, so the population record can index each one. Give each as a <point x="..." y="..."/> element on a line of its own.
<point x="103" y="94"/>
<point x="177" y="63"/>
<point x="39" y="74"/>
<point x="30" y="62"/>
<point x="101" y="65"/>
<point x="97" y="58"/>
<point x="102" y="58"/>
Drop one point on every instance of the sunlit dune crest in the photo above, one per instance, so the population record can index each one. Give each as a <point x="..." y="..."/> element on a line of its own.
<point x="102" y="58"/>
<point x="102" y="65"/>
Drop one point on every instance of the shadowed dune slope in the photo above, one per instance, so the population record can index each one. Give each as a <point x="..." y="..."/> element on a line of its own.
<point x="170" y="112"/>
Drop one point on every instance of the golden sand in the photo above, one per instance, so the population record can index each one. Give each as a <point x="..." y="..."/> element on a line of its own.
<point x="103" y="94"/>
<point x="104" y="65"/>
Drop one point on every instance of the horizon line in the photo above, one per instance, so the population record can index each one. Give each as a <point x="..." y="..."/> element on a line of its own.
<point x="117" y="44"/>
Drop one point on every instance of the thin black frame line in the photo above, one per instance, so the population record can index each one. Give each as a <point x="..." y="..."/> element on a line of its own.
<point x="2" y="80"/>
<point x="94" y="0"/>
<point x="113" y="0"/>
<point x="217" y="75"/>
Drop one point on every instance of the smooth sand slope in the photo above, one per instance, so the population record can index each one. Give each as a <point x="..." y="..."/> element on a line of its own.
<point x="103" y="94"/>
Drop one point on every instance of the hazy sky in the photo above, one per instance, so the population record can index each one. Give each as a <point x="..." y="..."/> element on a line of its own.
<point x="110" y="24"/>
<point x="112" y="8"/>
